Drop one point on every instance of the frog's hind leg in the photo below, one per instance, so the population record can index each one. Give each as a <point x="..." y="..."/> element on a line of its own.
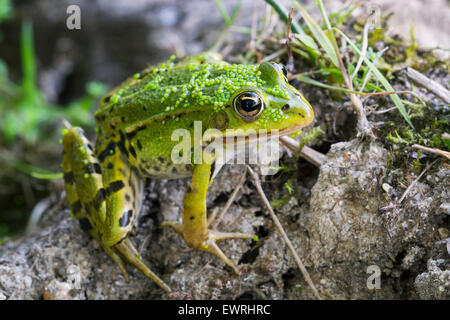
<point x="106" y="201"/>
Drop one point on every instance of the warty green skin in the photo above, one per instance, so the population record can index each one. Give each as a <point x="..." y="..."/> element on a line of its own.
<point x="134" y="128"/>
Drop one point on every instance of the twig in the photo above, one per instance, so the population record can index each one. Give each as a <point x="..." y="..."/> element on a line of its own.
<point x="274" y="55"/>
<point x="415" y="181"/>
<point x="278" y="7"/>
<point x="428" y="84"/>
<point x="440" y="152"/>
<point x="383" y="111"/>
<point x="309" y="154"/>
<point x="230" y="200"/>
<point x="280" y="229"/>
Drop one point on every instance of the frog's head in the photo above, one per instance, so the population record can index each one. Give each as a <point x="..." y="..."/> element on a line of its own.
<point x="273" y="105"/>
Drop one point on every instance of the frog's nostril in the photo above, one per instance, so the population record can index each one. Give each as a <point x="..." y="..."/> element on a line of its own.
<point x="286" y="108"/>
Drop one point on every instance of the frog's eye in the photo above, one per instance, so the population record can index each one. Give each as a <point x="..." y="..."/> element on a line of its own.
<point x="248" y="105"/>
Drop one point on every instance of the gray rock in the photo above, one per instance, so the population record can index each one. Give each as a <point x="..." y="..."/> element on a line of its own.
<point x="435" y="282"/>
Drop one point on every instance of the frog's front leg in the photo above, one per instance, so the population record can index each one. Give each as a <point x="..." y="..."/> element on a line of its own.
<point x="105" y="194"/>
<point x="194" y="226"/>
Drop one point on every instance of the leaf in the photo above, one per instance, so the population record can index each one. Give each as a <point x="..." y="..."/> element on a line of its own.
<point x="320" y="36"/>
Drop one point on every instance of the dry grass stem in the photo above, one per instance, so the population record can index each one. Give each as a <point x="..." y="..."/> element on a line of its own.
<point x="280" y="229"/>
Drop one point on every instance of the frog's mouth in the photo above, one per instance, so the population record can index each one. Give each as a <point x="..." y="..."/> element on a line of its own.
<point x="239" y="137"/>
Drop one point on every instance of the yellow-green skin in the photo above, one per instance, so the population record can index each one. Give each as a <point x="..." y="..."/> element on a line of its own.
<point x="135" y="124"/>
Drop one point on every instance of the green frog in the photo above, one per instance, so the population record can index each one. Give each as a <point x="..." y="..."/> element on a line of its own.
<point x="134" y="140"/>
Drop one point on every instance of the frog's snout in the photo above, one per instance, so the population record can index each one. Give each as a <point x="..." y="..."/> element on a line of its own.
<point x="299" y="107"/>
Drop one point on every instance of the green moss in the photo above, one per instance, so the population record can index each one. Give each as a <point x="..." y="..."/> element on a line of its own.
<point x="314" y="133"/>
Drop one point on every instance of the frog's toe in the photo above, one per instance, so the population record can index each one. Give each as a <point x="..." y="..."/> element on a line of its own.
<point x="118" y="260"/>
<point x="212" y="247"/>
<point x="130" y="254"/>
<point x="218" y="236"/>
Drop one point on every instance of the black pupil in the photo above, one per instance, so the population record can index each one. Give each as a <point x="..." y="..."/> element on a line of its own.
<point x="249" y="102"/>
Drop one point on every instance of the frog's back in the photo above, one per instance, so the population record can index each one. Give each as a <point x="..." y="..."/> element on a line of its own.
<point x="147" y="89"/>
<point x="172" y="89"/>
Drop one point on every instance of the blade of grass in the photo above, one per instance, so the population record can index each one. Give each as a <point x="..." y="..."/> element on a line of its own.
<point x="320" y="36"/>
<point x="223" y="12"/>
<point x="28" y="62"/>
<point x="308" y="80"/>
<point x="36" y="172"/>
<point x="395" y="98"/>
<point x="229" y="21"/>
<point x="363" y="125"/>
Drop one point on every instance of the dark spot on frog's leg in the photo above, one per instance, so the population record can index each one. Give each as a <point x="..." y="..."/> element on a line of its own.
<point x="191" y="217"/>
<point x="121" y="144"/>
<point x="76" y="207"/>
<point x="85" y="225"/>
<point x="122" y="118"/>
<point x="115" y="186"/>
<point x="190" y="190"/>
<point x="109" y="150"/>
<point x="90" y="147"/>
<point x="93" y="168"/>
<point x="188" y="167"/>
<point x="156" y="168"/>
<point x="174" y="170"/>
<point x="126" y="218"/>
<point x="132" y="151"/>
<point x="102" y="193"/>
<point x="139" y="145"/>
<point x="127" y="197"/>
<point x="99" y="198"/>
<point x="110" y="165"/>
<point x="106" y="99"/>
<point x="144" y="108"/>
<point x="161" y="159"/>
<point x="69" y="178"/>
<point x="131" y="135"/>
